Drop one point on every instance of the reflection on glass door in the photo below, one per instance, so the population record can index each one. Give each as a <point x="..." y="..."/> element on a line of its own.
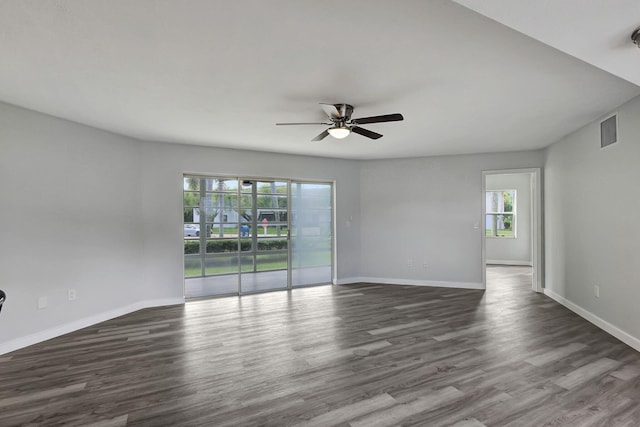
<point x="311" y="233"/>
<point x="265" y="261"/>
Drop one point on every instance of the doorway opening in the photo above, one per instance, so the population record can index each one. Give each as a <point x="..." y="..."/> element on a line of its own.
<point x="246" y="235"/>
<point x="512" y="218"/>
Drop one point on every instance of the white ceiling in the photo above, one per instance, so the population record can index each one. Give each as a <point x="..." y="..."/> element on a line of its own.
<point x="223" y="73"/>
<point x="596" y="31"/>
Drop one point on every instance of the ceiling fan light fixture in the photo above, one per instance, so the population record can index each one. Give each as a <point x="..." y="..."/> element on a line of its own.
<point x="339" y="132"/>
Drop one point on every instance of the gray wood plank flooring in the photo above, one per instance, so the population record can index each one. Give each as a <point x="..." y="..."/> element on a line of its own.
<point x="355" y="355"/>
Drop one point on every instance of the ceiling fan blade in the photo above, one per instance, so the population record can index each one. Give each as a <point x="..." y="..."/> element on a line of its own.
<point x="331" y="110"/>
<point x="365" y="132"/>
<point x="379" y="119"/>
<point x="295" y="124"/>
<point x="322" y="136"/>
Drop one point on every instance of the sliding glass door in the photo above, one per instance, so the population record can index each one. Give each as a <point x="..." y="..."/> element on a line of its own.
<point x="265" y="260"/>
<point x="244" y="235"/>
<point x="311" y="233"/>
<point x="211" y="222"/>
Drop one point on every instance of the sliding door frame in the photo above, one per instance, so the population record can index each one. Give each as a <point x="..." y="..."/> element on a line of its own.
<point x="289" y="269"/>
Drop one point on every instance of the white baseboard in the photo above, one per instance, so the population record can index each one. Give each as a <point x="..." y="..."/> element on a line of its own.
<point x="47" y="334"/>
<point x="623" y="336"/>
<point x="348" y="280"/>
<point x="508" y="262"/>
<point x="390" y="281"/>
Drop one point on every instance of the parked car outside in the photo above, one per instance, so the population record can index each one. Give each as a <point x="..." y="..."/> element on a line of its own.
<point x="191" y="230"/>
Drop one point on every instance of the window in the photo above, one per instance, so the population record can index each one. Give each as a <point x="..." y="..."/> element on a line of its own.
<point x="500" y="219"/>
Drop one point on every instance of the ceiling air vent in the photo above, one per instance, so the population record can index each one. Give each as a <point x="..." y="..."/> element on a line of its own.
<point x="609" y="131"/>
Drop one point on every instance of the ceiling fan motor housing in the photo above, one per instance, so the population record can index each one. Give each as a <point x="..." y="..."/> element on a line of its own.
<point x="345" y="110"/>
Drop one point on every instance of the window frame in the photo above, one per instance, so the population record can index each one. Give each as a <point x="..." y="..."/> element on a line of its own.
<point x="513" y="213"/>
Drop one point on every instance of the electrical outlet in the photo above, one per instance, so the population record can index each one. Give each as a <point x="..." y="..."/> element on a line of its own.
<point x="42" y="302"/>
<point x="596" y="291"/>
<point x="409" y="263"/>
<point x="72" y="294"/>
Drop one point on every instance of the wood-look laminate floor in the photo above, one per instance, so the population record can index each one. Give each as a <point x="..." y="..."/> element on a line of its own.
<point x="358" y="355"/>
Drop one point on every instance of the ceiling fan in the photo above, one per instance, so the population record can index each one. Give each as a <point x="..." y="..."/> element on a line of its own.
<point x="342" y="124"/>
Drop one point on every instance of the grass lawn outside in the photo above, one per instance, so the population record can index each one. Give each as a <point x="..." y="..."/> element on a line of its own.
<point x="228" y="264"/>
<point x="501" y="233"/>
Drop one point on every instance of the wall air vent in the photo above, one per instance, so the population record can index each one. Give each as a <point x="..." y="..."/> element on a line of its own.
<point x="609" y="131"/>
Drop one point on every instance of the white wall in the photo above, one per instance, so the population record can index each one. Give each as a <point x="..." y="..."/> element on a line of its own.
<point x="70" y="197"/>
<point x="592" y="232"/>
<point x="425" y="210"/>
<point x="101" y="213"/>
<point x="506" y="250"/>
